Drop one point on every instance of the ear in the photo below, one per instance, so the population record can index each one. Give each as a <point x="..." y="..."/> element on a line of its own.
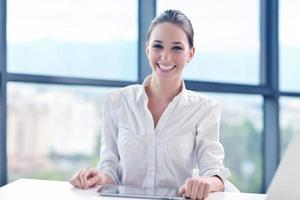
<point x="147" y="49"/>
<point x="191" y="54"/>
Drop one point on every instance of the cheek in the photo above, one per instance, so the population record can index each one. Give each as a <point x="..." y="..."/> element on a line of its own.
<point x="153" y="56"/>
<point x="181" y="59"/>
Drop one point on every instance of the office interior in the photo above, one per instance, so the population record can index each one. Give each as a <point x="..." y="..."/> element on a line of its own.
<point x="58" y="60"/>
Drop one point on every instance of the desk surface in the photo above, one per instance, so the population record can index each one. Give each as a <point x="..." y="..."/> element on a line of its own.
<point x="42" y="189"/>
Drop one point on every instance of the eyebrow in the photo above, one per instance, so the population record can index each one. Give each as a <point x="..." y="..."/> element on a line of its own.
<point x="177" y="42"/>
<point x="158" y="41"/>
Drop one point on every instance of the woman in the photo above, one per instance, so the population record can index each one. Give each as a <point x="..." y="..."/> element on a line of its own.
<point x="155" y="134"/>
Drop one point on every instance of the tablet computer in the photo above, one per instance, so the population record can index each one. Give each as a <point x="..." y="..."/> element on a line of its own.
<point x="139" y="192"/>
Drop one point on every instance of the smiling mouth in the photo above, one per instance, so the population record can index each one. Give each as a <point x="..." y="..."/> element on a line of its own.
<point x="166" y="68"/>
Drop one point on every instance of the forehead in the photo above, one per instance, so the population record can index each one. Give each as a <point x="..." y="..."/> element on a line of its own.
<point x="168" y="32"/>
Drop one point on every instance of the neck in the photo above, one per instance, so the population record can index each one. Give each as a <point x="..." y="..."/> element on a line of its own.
<point x="164" y="90"/>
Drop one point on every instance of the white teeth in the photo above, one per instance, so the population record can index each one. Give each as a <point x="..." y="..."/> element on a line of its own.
<point x="166" y="68"/>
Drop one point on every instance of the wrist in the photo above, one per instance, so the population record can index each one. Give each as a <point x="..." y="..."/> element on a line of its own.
<point x="108" y="179"/>
<point x="217" y="184"/>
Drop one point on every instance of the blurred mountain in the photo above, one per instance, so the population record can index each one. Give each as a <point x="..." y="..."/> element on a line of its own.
<point x="118" y="61"/>
<point x="115" y="60"/>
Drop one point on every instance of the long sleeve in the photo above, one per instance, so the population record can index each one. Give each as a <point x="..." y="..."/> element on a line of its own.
<point x="109" y="155"/>
<point x="209" y="152"/>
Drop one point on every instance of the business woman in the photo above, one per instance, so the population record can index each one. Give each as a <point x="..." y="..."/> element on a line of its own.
<point x="158" y="133"/>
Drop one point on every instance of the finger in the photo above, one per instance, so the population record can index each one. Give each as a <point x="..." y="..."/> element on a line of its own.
<point x="74" y="177"/>
<point x="96" y="179"/>
<point x="194" y="190"/>
<point x="201" y="190"/>
<point x="92" y="173"/>
<point x="88" y="174"/>
<point x="78" y="183"/>
<point x="83" y="177"/>
<point x="181" y="189"/>
<point x="206" y="191"/>
<point x="75" y="180"/>
<point x="72" y="182"/>
<point x="187" y="189"/>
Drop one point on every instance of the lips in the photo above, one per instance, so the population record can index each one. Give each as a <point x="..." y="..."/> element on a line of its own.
<point x="166" y="68"/>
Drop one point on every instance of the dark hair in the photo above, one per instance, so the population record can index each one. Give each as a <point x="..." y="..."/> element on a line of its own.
<point x="175" y="17"/>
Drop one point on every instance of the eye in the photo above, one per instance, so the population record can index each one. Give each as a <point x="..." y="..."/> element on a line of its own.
<point x="177" y="48"/>
<point x="157" y="46"/>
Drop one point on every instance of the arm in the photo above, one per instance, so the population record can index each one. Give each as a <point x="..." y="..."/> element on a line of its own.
<point x="209" y="151"/>
<point x="209" y="155"/>
<point x="109" y="155"/>
<point x="106" y="172"/>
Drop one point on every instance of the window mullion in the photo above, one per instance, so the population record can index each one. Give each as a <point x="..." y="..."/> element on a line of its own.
<point x="270" y="78"/>
<point x="147" y="11"/>
<point x="3" y="154"/>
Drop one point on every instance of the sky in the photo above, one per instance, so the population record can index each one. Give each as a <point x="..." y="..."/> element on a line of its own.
<point x="289" y="23"/>
<point x="93" y="21"/>
<point x="219" y="25"/>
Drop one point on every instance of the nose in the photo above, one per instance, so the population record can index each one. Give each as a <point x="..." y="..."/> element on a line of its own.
<point x="165" y="56"/>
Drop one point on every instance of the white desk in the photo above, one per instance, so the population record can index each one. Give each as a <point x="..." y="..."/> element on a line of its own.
<point x="42" y="189"/>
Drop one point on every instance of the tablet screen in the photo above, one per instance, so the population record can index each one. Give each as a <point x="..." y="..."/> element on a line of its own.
<point x="139" y="192"/>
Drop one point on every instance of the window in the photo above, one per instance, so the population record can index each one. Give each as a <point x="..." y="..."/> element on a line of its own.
<point x="52" y="130"/>
<point x="226" y="39"/>
<point x="289" y="31"/>
<point x="84" y="38"/>
<point x="289" y="120"/>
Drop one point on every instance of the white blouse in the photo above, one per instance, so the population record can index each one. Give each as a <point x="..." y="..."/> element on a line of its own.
<point x="186" y="138"/>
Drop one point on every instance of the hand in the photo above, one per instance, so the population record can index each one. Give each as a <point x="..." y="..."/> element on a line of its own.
<point x="196" y="187"/>
<point x="89" y="177"/>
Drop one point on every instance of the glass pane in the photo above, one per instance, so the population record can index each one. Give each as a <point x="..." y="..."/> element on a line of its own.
<point x="289" y="120"/>
<point x="226" y="39"/>
<point x="241" y="134"/>
<point x="52" y="130"/>
<point x="289" y="31"/>
<point x="83" y="38"/>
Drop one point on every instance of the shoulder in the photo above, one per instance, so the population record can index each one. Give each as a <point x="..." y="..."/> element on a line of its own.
<point x="131" y="90"/>
<point x="128" y="93"/>
<point x="200" y="100"/>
